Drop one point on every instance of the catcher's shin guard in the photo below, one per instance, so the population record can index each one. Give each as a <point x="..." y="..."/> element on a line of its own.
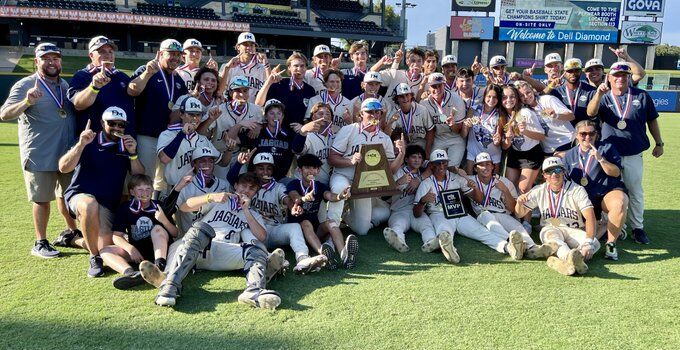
<point x="255" y="254"/>
<point x="196" y="239"/>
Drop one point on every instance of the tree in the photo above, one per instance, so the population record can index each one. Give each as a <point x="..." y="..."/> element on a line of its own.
<point x="668" y="50"/>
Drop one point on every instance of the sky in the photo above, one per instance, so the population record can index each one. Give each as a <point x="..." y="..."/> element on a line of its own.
<point x="433" y="14"/>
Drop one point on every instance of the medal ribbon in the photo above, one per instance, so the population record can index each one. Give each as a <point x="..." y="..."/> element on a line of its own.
<point x="586" y="167"/>
<point x="328" y="131"/>
<point x="326" y="97"/>
<point x="60" y="101"/>
<point x="170" y="90"/>
<point x="485" y="120"/>
<point x="238" y="109"/>
<point x="234" y="205"/>
<point x="487" y="191"/>
<point x="413" y="174"/>
<point x="205" y="96"/>
<point x="294" y="85"/>
<point x="277" y="130"/>
<point x="248" y="66"/>
<point x="436" y="185"/>
<point x="309" y="189"/>
<point x="412" y="75"/>
<point x="358" y="71"/>
<point x="268" y="186"/>
<point x="555" y="205"/>
<point x="93" y="69"/>
<point x="178" y="127"/>
<point x="136" y="207"/>
<point x="622" y="114"/>
<point x="572" y="102"/>
<point x="407" y="126"/>
<point x="107" y="144"/>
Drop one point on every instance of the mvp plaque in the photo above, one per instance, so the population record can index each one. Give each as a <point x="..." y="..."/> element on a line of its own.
<point x="372" y="175"/>
<point x="452" y="203"/>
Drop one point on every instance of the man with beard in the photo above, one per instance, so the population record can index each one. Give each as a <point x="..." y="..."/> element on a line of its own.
<point x="574" y="93"/>
<point x="595" y="68"/>
<point x="449" y="69"/>
<point x="46" y="131"/>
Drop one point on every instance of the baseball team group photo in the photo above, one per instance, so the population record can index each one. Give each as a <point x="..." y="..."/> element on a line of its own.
<point x="339" y="174"/>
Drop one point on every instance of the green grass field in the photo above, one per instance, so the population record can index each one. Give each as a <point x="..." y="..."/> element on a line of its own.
<point x="72" y="64"/>
<point x="391" y="300"/>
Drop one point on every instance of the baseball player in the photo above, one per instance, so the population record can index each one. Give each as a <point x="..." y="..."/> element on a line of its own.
<point x="567" y="217"/>
<point x="574" y="93"/>
<point x="484" y="129"/>
<point x="248" y="63"/>
<point x="307" y="194"/>
<point x="272" y="202"/>
<point x="344" y="155"/>
<point x="411" y="119"/>
<point x="393" y="76"/>
<point x="351" y="85"/>
<point x="322" y="61"/>
<point x="332" y="96"/>
<point x="402" y="218"/>
<point x="370" y="87"/>
<point x="319" y="142"/>
<point x="594" y="72"/>
<point x="552" y="66"/>
<point x="214" y="244"/>
<point x="193" y="53"/>
<point x="428" y="200"/>
<point x="496" y="209"/>
<point x="177" y="143"/>
<point x="497" y="73"/>
<point x="472" y="95"/>
<point x="450" y="69"/>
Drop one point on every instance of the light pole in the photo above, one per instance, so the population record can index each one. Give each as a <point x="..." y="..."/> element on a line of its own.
<point x="404" y="5"/>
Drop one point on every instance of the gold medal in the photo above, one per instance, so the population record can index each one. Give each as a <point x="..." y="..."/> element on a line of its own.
<point x="442" y="118"/>
<point x="62" y="113"/>
<point x="555" y="222"/>
<point x="474" y="120"/>
<point x="621" y="124"/>
<point x="170" y="105"/>
<point x="545" y="114"/>
<point x="584" y="181"/>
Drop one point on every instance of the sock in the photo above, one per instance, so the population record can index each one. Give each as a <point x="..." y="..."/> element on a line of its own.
<point x="160" y="262"/>
<point x="128" y="272"/>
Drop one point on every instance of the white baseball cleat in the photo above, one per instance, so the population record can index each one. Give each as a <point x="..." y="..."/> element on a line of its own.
<point x="430" y="246"/>
<point x="449" y="251"/>
<point x="560" y="266"/>
<point x="310" y="264"/>
<point x="515" y="246"/>
<point x="575" y="258"/>
<point x="151" y="273"/>
<point x="539" y="251"/>
<point x="276" y="264"/>
<point x="263" y="298"/>
<point x="394" y="240"/>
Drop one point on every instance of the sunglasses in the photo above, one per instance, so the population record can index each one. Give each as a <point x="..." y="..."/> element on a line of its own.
<point x="498" y="67"/>
<point x="585" y="133"/>
<point x="116" y="124"/>
<point x="556" y="170"/>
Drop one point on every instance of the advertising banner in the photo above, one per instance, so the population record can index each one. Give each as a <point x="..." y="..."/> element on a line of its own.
<point x="465" y="27"/>
<point x="665" y="101"/>
<point x="592" y="21"/>
<point x="644" y="8"/>
<point x="473" y="5"/>
<point x="641" y="32"/>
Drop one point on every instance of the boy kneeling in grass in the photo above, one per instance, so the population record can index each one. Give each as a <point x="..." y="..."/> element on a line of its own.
<point x="148" y="233"/>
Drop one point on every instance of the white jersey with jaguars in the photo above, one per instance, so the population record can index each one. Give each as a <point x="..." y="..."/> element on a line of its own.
<point x="180" y="165"/>
<point x="194" y="189"/>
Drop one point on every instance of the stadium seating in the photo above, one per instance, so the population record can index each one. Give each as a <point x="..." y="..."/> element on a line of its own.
<point x="269" y="2"/>
<point x="175" y="11"/>
<point x="335" y="5"/>
<point x="71" y="5"/>
<point x="283" y="22"/>
<point x="351" y="26"/>
<point x="286" y="13"/>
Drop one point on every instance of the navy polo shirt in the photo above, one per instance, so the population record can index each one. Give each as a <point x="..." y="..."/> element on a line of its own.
<point x="351" y="84"/>
<point x="112" y="94"/>
<point x="310" y="208"/>
<point x="585" y="94"/>
<point x="296" y="101"/>
<point x="633" y="139"/>
<point x="101" y="173"/>
<point x="152" y="112"/>
<point x="599" y="183"/>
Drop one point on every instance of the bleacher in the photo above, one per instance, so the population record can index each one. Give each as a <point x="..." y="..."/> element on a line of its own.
<point x="71" y="5"/>
<point x="175" y="11"/>
<point x="285" y="13"/>
<point x="335" y="5"/>
<point x="283" y="22"/>
<point x="351" y="26"/>
<point x="268" y="2"/>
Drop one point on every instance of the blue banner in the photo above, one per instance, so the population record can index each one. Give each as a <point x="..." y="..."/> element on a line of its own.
<point x="665" y="101"/>
<point x="556" y="35"/>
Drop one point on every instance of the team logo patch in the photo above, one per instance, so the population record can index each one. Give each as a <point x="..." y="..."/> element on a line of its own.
<point x="305" y="101"/>
<point x="583" y="98"/>
<point x="636" y="103"/>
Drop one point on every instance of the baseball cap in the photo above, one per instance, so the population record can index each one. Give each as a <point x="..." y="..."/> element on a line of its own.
<point x="594" y="62"/>
<point x="552" y="58"/>
<point x="438" y="155"/>
<point x="246" y="37"/>
<point x="171" y="45"/>
<point x="191" y="105"/>
<point x="192" y="43"/>
<point x="402" y="89"/>
<point x="436" y="78"/>
<point x="99" y="41"/>
<point x="552" y="162"/>
<point x="496" y="61"/>
<point x="239" y="81"/>
<point x="201" y="152"/>
<point x="371" y="104"/>
<point x="620" y="67"/>
<point x="45" y="48"/>
<point x="483" y="157"/>
<point x="449" y="59"/>
<point x="572" y="64"/>
<point x="273" y="103"/>
<point x="263" y="158"/>
<point x="372" y="77"/>
<point x="319" y="49"/>
<point x="114" y="113"/>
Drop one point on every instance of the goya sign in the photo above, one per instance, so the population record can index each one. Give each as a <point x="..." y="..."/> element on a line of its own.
<point x="652" y="8"/>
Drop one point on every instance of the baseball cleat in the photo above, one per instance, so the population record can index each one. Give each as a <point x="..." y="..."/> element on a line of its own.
<point x="394" y="240"/>
<point x="349" y="254"/>
<point x="96" y="266"/>
<point x="560" y="266"/>
<point x="151" y="273"/>
<point x="128" y="281"/>
<point x="449" y="251"/>
<point x="310" y="264"/>
<point x="66" y="237"/>
<point x="167" y="295"/>
<point x="515" y="246"/>
<point x="538" y="251"/>
<point x="43" y="249"/>
<point x="610" y="251"/>
<point x="430" y="246"/>
<point x="329" y="252"/>
<point x="575" y="258"/>
<point x="263" y="298"/>
<point x="276" y="264"/>
<point x="640" y="236"/>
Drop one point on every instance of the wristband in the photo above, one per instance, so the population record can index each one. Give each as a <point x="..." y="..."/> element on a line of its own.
<point x="207" y="198"/>
<point x="133" y="157"/>
<point x="27" y="102"/>
<point x="94" y="89"/>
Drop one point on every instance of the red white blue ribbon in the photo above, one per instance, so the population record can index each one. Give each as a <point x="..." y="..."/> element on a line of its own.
<point x="60" y="100"/>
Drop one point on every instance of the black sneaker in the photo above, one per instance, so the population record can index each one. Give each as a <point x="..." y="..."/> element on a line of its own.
<point x="43" y="249"/>
<point x="66" y="237"/>
<point x="349" y="254"/>
<point x="96" y="266"/>
<point x="329" y="252"/>
<point x="639" y="236"/>
<point x="610" y="251"/>
<point x="128" y="281"/>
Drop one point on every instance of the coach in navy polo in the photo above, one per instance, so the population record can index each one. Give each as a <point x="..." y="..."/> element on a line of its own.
<point x="157" y="87"/>
<point x="625" y="113"/>
<point x="101" y="162"/>
<point x="574" y="93"/>
<point x="99" y="86"/>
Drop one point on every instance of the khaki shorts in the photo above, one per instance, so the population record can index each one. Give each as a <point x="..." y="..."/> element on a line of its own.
<point x="46" y="186"/>
<point x="105" y="215"/>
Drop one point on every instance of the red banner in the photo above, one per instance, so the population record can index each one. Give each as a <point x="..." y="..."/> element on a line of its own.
<point x="121" y="18"/>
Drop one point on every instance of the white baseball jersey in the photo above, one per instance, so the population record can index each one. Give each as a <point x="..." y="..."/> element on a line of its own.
<point x="560" y="132"/>
<point x="187" y="74"/>
<point x="230" y="224"/>
<point x="477" y="98"/>
<point x="339" y="106"/>
<point x="268" y="201"/>
<point x="419" y="120"/>
<point x="574" y="201"/>
<point x="480" y="136"/>
<point x="494" y="202"/>
<point x="349" y="140"/>
<point x="314" y="78"/>
<point x="319" y="145"/>
<point x="444" y="136"/>
<point x="534" y="123"/>
<point x="452" y="182"/>
<point x="194" y="189"/>
<point x="180" y="165"/>
<point x="403" y="200"/>
<point x="228" y="118"/>
<point x="255" y="72"/>
<point x="393" y="77"/>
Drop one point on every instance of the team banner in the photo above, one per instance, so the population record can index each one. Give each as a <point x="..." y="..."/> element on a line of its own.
<point x="466" y="27"/>
<point x="641" y="32"/>
<point x="593" y="21"/>
<point x="473" y="5"/>
<point x="122" y="18"/>
<point x="652" y="8"/>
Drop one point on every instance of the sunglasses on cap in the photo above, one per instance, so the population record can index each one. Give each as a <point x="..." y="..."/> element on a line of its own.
<point x="102" y="41"/>
<point x="555" y="170"/>
<point x="48" y="48"/>
<point x="372" y="107"/>
<point x="116" y="124"/>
